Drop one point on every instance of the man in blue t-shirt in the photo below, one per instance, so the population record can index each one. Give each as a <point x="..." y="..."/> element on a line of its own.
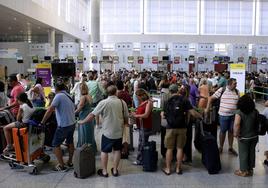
<point x="64" y="107"/>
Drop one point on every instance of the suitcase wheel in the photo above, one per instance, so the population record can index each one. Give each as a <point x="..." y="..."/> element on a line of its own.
<point x="75" y="174"/>
<point x="34" y="172"/>
<point x="45" y="158"/>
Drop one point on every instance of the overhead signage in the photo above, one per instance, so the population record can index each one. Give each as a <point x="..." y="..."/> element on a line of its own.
<point x="130" y="59"/>
<point x="80" y="59"/>
<point x="201" y="60"/>
<point x="177" y="60"/>
<point x="254" y="60"/>
<point x="264" y="60"/>
<point x="140" y="59"/>
<point x="8" y="53"/>
<point x="94" y="59"/>
<point x="44" y="71"/>
<point x="240" y="59"/>
<point x="191" y="59"/>
<point x="155" y="59"/>
<point x="115" y="59"/>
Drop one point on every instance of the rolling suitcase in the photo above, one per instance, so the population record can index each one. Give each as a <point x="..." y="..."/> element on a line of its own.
<point x="156" y="120"/>
<point x="150" y="157"/>
<point x="210" y="152"/>
<point x="84" y="161"/>
<point x="2" y="140"/>
<point x="6" y="117"/>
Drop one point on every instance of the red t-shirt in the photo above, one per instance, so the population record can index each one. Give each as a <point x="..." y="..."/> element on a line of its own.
<point x="147" y="122"/>
<point x="125" y="96"/>
<point x="17" y="89"/>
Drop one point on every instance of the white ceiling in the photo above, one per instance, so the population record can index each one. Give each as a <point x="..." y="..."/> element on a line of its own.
<point x="14" y="23"/>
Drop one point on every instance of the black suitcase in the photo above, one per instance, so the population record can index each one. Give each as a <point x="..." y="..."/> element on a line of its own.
<point x="2" y="140"/>
<point x="6" y="117"/>
<point x="210" y="152"/>
<point x="84" y="161"/>
<point x="150" y="157"/>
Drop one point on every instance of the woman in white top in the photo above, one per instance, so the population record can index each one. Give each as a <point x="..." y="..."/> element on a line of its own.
<point x="25" y="112"/>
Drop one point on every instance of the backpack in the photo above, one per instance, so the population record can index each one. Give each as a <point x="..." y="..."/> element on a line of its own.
<point x="175" y="113"/>
<point x="262" y="124"/>
<point x="217" y="102"/>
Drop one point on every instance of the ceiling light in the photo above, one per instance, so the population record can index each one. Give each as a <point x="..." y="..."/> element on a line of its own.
<point x="9" y="28"/>
<point x="28" y="23"/>
<point x="15" y="18"/>
<point x="21" y="31"/>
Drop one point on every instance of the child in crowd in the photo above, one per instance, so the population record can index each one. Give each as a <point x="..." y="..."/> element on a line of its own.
<point x="50" y="98"/>
<point x="26" y="109"/>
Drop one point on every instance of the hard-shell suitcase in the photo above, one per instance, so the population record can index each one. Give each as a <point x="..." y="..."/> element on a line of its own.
<point x="6" y="117"/>
<point x="156" y="120"/>
<point x="84" y="161"/>
<point x="150" y="157"/>
<point x="2" y="140"/>
<point x="210" y="152"/>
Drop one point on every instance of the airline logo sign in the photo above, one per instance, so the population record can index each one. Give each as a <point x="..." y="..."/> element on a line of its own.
<point x="140" y="59"/>
<point x="115" y="59"/>
<point x="94" y="59"/>
<point x="177" y="60"/>
<point x="155" y="59"/>
<point x="130" y="59"/>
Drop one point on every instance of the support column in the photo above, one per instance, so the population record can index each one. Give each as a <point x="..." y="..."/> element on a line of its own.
<point x="52" y="40"/>
<point x="95" y="20"/>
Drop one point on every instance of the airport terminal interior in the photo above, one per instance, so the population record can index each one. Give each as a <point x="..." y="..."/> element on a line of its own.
<point x="191" y="76"/>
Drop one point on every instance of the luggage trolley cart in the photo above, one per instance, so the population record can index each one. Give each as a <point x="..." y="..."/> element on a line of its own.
<point x="28" y="144"/>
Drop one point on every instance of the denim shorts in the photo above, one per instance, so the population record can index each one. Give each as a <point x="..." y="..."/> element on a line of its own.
<point x="63" y="133"/>
<point x="226" y="123"/>
<point x="107" y="144"/>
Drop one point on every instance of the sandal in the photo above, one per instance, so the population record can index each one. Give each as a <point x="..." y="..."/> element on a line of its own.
<point x="100" y="173"/>
<point x="179" y="172"/>
<point x="165" y="172"/>
<point x="8" y="149"/>
<point x="114" y="174"/>
<point x="241" y="173"/>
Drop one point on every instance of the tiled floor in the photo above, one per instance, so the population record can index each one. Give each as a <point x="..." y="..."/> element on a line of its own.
<point x="132" y="176"/>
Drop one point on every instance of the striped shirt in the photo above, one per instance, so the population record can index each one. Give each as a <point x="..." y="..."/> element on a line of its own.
<point x="228" y="101"/>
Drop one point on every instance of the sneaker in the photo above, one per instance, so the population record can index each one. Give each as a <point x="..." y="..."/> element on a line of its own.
<point x="137" y="163"/>
<point x="233" y="152"/>
<point x="69" y="165"/>
<point x="60" y="168"/>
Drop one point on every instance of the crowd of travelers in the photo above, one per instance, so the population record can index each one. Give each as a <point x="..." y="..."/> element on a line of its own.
<point x="103" y="100"/>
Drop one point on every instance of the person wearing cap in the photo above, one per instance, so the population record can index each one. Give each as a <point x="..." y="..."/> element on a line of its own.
<point x="176" y="131"/>
<point x="17" y="89"/>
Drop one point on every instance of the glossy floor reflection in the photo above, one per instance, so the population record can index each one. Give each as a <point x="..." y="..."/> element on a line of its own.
<point x="194" y="176"/>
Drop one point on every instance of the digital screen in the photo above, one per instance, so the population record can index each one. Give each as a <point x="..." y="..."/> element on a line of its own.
<point x="106" y="58"/>
<point x="20" y="60"/>
<point x="63" y="69"/>
<point x="165" y="58"/>
<point x="47" y="58"/>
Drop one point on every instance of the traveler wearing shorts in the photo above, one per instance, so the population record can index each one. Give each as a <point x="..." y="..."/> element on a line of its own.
<point x="114" y="113"/>
<point x="65" y="108"/>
